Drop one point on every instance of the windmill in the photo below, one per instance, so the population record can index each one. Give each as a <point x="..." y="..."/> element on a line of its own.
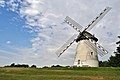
<point x="87" y="49"/>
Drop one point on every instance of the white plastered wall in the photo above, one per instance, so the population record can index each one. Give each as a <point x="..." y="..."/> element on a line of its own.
<point x="86" y="55"/>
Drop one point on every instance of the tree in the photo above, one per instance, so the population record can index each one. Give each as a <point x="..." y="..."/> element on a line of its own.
<point x="114" y="61"/>
<point x="103" y="64"/>
<point x="18" y="65"/>
<point x="118" y="48"/>
<point x="33" y="66"/>
<point x="56" y="66"/>
<point x="12" y="65"/>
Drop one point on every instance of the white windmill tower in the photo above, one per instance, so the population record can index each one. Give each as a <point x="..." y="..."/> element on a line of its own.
<point x="87" y="49"/>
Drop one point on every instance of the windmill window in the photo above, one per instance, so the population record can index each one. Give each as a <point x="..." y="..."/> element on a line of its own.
<point x="78" y="61"/>
<point x="91" y="53"/>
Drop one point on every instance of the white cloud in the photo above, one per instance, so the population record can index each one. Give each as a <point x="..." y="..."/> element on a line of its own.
<point x="46" y="19"/>
<point x="8" y="42"/>
<point x="2" y="3"/>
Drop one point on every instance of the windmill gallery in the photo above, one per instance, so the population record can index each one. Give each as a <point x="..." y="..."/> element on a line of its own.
<point x="87" y="49"/>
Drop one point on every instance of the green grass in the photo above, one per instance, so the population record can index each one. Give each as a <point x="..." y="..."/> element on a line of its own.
<point x="60" y="74"/>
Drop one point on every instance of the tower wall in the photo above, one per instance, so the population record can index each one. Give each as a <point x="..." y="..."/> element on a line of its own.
<point x="86" y="56"/>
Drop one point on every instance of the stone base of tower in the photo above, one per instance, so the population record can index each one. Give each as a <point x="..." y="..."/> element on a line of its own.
<point x="86" y="56"/>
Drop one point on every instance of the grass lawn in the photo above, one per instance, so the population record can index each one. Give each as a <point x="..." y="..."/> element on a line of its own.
<point x="60" y="73"/>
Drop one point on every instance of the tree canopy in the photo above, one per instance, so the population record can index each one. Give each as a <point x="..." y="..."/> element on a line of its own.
<point x="114" y="61"/>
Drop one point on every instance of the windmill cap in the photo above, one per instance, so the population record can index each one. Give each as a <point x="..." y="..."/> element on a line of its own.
<point x="90" y="36"/>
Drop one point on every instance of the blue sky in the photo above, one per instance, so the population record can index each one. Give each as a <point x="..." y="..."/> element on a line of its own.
<point x="12" y="29"/>
<point x="32" y="30"/>
<point x="13" y="32"/>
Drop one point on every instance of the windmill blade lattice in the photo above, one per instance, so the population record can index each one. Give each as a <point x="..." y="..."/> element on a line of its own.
<point x="73" y="23"/>
<point x="100" y="50"/>
<point x="91" y="45"/>
<point x="98" y="18"/>
<point x="66" y="45"/>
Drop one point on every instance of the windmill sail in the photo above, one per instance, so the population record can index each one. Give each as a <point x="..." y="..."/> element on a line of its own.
<point x="100" y="50"/>
<point x="74" y="24"/>
<point x="66" y="45"/>
<point x="98" y="18"/>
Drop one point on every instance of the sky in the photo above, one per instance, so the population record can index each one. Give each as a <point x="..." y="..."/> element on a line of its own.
<point x="31" y="31"/>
